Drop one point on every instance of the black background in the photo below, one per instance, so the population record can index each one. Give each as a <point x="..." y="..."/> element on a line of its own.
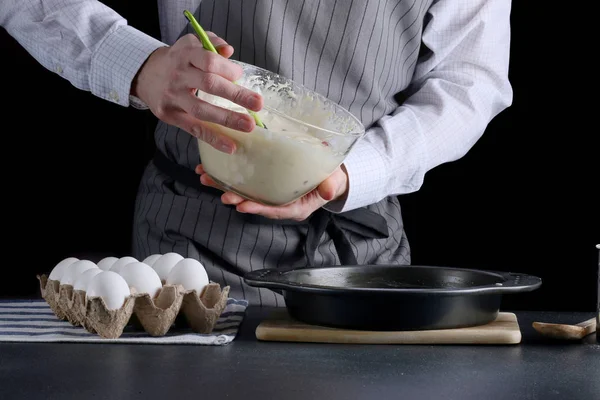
<point x="522" y="200"/>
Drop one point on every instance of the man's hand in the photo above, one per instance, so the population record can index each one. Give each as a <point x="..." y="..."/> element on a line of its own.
<point x="168" y="80"/>
<point x="333" y="188"/>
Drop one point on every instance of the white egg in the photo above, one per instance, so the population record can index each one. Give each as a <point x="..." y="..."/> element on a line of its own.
<point x="150" y="260"/>
<point x="190" y="274"/>
<point x="106" y="263"/>
<point x="111" y="286"/>
<point x="165" y="263"/>
<point x="142" y="277"/>
<point x="121" y="262"/>
<point x="83" y="280"/>
<point x="58" y="271"/>
<point x="74" y="270"/>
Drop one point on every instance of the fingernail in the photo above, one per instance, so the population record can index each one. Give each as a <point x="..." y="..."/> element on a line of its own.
<point x="244" y="125"/>
<point x="225" y="147"/>
<point x="254" y="102"/>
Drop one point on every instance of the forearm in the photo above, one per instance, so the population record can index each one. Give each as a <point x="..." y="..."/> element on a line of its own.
<point x="84" y="41"/>
<point x="457" y="90"/>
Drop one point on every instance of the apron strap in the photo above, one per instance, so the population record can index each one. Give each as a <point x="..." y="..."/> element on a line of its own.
<point x="361" y="221"/>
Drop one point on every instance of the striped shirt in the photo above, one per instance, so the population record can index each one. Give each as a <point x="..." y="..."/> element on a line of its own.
<point x="424" y="76"/>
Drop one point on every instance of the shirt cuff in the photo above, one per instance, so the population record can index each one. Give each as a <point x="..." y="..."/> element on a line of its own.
<point x="117" y="61"/>
<point x="367" y="169"/>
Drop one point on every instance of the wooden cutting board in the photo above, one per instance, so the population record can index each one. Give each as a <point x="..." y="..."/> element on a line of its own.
<point x="279" y="327"/>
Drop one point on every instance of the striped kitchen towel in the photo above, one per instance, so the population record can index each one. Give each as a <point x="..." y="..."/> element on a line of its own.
<point x="34" y="321"/>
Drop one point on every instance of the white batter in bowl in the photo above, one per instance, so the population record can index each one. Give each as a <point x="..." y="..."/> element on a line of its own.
<point x="307" y="138"/>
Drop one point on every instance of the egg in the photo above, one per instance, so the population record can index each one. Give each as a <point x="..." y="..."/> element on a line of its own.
<point x="165" y="263"/>
<point x="111" y="287"/>
<point x="190" y="274"/>
<point x="83" y="280"/>
<point x="58" y="271"/>
<point x="106" y="263"/>
<point x="150" y="260"/>
<point x="74" y="270"/>
<point x="121" y="262"/>
<point x="142" y="277"/>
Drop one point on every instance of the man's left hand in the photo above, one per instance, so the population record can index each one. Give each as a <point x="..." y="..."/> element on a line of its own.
<point x="332" y="188"/>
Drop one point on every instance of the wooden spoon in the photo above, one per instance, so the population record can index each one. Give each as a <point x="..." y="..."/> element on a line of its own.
<point x="565" y="331"/>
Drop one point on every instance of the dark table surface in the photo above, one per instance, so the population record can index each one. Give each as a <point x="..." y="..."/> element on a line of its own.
<point x="537" y="368"/>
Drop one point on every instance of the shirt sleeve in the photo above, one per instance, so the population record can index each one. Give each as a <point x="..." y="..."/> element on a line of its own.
<point x="84" y="41"/>
<point x="459" y="85"/>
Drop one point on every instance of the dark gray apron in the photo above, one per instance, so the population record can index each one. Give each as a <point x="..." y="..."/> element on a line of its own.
<point x="358" y="53"/>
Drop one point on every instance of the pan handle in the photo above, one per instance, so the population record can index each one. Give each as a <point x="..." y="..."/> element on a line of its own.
<point x="266" y="278"/>
<point x="514" y="282"/>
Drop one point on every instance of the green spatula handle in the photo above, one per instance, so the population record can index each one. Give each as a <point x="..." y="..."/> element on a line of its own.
<point x="201" y="33"/>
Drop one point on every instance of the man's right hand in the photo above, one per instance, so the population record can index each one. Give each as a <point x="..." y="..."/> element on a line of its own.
<point x="168" y="80"/>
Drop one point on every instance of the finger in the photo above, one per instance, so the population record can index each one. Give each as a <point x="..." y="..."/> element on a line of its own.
<point x="299" y="210"/>
<point x="220" y="45"/>
<point x="202" y="131"/>
<point x="208" y="61"/>
<point x="250" y="207"/>
<point x="217" y="85"/>
<point x="333" y="186"/>
<point x="206" y="180"/>
<point x="327" y="189"/>
<point x="232" y="198"/>
<point x="205" y="111"/>
<point x="227" y="197"/>
<point x="293" y="211"/>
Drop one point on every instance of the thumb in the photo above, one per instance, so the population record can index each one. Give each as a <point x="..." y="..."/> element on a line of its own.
<point x="330" y="187"/>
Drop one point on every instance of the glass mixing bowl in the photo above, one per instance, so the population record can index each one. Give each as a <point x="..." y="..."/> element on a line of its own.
<point x="307" y="137"/>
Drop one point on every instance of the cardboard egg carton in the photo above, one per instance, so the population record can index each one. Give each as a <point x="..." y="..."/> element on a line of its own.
<point x="155" y="316"/>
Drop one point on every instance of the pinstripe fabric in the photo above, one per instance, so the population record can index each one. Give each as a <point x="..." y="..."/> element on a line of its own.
<point x="347" y="50"/>
<point x="330" y="46"/>
<point x="34" y="321"/>
<point x="196" y="224"/>
<point x="359" y="53"/>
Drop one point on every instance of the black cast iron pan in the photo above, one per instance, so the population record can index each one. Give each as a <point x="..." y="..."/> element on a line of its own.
<point x="392" y="297"/>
